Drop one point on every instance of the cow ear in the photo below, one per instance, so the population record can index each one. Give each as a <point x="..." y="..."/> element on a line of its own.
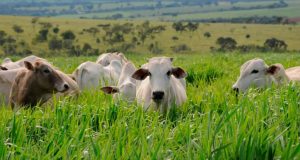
<point x="178" y="72"/>
<point x="273" y="69"/>
<point x="110" y="90"/>
<point x="29" y="66"/>
<point x="171" y="59"/>
<point x="3" y="68"/>
<point x="140" y="74"/>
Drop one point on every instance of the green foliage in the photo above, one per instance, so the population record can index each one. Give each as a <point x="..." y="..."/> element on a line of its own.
<point x="18" y="29"/>
<point x="274" y="44"/>
<point x="180" y="48"/>
<point x="226" y="43"/>
<point x="68" y="35"/>
<point x="55" y="44"/>
<point x="42" y="36"/>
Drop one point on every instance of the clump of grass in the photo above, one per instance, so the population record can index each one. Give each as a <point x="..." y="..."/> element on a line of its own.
<point x="208" y="75"/>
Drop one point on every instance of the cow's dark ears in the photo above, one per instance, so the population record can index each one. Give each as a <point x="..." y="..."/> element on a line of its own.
<point x="272" y="69"/>
<point x="110" y="90"/>
<point x="171" y="59"/>
<point x="140" y="74"/>
<point x="29" y="66"/>
<point x="178" y="72"/>
<point x="3" y="68"/>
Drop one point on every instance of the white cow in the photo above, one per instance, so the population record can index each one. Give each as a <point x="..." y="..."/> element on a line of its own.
<point x="105" y="58"/>
<point x="9" y="64"/>
<point x="160" y="85"/>
<point x="7" y="78"/>
<point x="32" y="59"/>
<point x="90" y="75"/>
<point x="258" y="74"/>
<point x="126" y="88"/>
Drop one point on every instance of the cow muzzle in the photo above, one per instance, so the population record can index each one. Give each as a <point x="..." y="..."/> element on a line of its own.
<point x="63" y="87"/>
<point x="158" y="96"/>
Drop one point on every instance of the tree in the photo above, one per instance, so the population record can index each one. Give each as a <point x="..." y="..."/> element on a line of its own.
<point x="207" y="34"/>
<point x="226" y="44"/>
<point x="42" y="36"/>
<point x="117" y="16"/>
<point x="275" y="44"/>
<point x="116" y="38"/>
<point x="68" y="35"/>
<point x="46" y="25"/>
<point x="175" y="38"/>
<point x="93" y="31"/>
<point x="192" y="26"/>
<point x="2" y="37"/>
<point x="18" y="29"/>
<point x="10" y="49"/>
<point x="55" y="44"/>
<point x="180" y="48"/>
<point x="178" y="26"/>
<point x="86" y="47"/>
<point x="154" y="48"/>
<point x="34" y="20"/>
<point x="55" y="30"/>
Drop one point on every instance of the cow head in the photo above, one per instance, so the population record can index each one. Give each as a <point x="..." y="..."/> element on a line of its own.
<point x="46" y="77"/>
<point x="159" y="70"/>
<point x="255" y="73"/>
<point x="125" y="91"/>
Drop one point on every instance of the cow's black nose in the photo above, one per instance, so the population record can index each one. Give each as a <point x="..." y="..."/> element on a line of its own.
<point x="66" y="86"/>
<point x="236" y="89"/>
<point x="158" y="95"/>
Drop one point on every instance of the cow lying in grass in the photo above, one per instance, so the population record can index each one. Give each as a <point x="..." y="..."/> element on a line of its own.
<point x="160" y="85"/>
<point x="126" y="88"/>
<point x="35" y="84"/>
<point x="91" y="75"/>
<point x="105" y="58"/>
<point x="9" y="64"/>
<point x="258" y="74"/>
<point x="7" y="77"/>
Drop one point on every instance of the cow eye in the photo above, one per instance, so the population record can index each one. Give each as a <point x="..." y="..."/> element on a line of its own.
<point x="254" y="71"/>
<point x="46" y="71"/>
<point x="169" y="73"/>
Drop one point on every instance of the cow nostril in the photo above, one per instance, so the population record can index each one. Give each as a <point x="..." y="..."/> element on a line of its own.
<point x="66" y="86"/>
<point x="158" y="95"/>
<point x="236" y="89"/>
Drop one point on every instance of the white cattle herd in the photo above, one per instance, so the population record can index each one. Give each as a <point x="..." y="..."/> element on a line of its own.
<point x="156" y="85"/>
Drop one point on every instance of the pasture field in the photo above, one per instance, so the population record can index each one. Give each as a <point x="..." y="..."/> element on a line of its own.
<point x="192" y="12"/>
<point x="171" y="10"/>
<point x="212" y="124"/>
<point x="196" y="40"/>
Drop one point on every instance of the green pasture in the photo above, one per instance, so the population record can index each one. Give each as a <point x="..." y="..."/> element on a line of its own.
<point x="212" y="124"/>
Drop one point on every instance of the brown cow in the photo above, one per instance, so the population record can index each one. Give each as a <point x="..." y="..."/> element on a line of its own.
<point x="35" y="85"/>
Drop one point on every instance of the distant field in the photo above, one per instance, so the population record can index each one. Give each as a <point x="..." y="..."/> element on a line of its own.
<point x="197" y="42"/>
<point x="222" y="10"/>
<point x="171" y="10"/>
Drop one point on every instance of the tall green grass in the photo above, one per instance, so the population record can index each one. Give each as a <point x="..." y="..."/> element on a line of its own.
<point x="212" y="124"/>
